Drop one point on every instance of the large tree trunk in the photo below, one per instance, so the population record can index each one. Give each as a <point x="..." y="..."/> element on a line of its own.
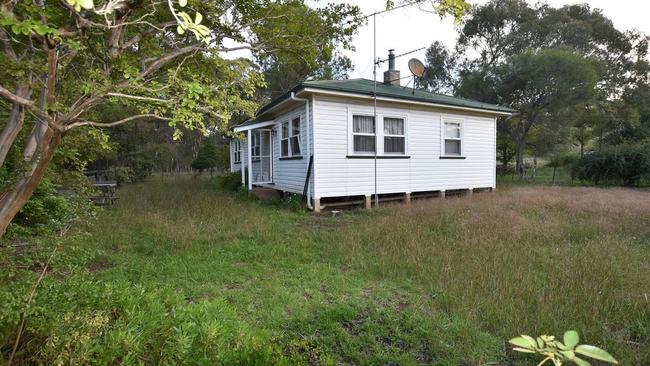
<point x="13" y="200"/>
<point x="14" y="123"/>
<point x="519" y="168"/>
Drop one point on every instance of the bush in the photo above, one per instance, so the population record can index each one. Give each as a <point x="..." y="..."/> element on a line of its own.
<point x="625" y="164"/>
<point x="230" y="182"/>
<point x="121" y="174"/>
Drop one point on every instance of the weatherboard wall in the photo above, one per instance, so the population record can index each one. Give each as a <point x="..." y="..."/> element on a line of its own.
<point x="339" y="175"/>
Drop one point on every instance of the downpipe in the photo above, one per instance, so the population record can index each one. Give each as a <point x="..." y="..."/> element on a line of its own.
<point x="308" y="130"/>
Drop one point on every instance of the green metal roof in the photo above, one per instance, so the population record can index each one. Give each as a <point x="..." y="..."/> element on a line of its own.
<point x="366" y="87"/>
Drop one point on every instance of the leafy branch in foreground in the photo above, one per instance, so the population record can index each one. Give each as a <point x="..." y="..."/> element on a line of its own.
<point x="560" y="352"/>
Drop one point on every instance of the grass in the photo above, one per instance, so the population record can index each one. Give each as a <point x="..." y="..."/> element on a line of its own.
<point x="439" y="282"/>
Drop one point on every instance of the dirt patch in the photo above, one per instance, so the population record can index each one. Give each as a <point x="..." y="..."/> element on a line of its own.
<point x="99" y="266"/>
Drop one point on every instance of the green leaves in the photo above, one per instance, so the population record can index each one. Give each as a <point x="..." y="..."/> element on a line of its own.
<point x="200" y="31"/>
<point x="27" y="27"/>
<point x="595" y="353"/>
<point x="558" y="352"/>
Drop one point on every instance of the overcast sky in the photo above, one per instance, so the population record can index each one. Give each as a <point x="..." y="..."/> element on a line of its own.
<point x="411" y="28"/>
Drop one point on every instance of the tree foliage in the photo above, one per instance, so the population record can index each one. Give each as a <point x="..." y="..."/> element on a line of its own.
<point x="67" y="62"/>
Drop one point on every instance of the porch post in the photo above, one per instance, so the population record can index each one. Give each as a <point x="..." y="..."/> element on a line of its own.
<point x="249" y="158"/>
<point x="242" y="166"/>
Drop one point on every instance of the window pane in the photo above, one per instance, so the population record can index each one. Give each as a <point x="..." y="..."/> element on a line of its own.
<point x="295" y="127"/>
<point x="452" y="147"/>
<point x="364" y="143"/>
<point x="393" y="126"/>
<point x="452" y="130"/>
<point x="295" y="146"/>
<point x="394" y="145"/>
<point x="284" y="147"/>
<point x="363" y="124"/>
<point x="285" y="129"/>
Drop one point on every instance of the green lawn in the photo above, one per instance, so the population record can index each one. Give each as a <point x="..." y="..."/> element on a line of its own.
<point x="181" y="272"/>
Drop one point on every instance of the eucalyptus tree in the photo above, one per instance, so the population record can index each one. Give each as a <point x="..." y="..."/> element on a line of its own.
<point x="536" y="84"/>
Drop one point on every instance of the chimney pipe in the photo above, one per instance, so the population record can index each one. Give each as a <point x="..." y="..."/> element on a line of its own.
<point x="391" y="77"/>
<point x="391" y="60"/>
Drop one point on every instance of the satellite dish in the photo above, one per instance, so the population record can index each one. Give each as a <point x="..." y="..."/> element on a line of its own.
<point x="417" y="67"/>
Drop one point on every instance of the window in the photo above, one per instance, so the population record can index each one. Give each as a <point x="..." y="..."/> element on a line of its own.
<point x="290" y="138"/>
<point x="452" y="139"/>
<point x="236" y="154"/>
<point x="363" y="134"/>
<point x="394" y="136"/>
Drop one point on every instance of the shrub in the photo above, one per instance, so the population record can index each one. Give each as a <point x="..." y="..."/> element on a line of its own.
<point x="559" y="353"/>
<point x="121" y="174"/>
<point x="230" y="182"/>
<point x="625" y="164"/>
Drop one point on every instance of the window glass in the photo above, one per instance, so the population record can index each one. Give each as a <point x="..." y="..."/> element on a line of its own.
<point x="284" y="148"/>
<point x="364" y="144"/>
<point x="363" y="124"/>
<point x="393" y="126"/>
<point x="452" y="130"/>
<point x="285" y="130"/>
<point x="295" y="127"/>
<point x="394" y="145"/>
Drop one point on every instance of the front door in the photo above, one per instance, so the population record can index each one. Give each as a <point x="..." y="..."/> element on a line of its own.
<point x="262" y="154"/>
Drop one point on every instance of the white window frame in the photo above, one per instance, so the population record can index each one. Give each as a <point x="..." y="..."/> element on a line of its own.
<point x="289" y="122"/>
<point x="236" y="152"/>
<point x="443" y="122"/>
<point x="405" y="135"/>
<point x="379" y="132"/>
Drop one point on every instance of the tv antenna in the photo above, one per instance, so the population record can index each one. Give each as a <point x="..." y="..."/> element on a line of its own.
<point x="375" y="62"/>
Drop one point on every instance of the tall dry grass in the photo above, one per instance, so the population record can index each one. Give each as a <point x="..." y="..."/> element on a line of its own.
<point x="526" y="260"/>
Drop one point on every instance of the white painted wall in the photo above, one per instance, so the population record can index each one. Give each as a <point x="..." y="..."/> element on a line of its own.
<point x="338" y="175"/>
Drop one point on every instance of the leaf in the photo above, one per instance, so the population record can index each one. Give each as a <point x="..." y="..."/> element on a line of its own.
<point x="86" y="4"/>
<point x="182" y="3"/>
<point x="525" y="350"/>
<point x="180" y="30"/>
<point x="595" y="353"/>
<point x="581" y="362"/>
<point x="571" y="338"/>
<point x="199" y="18"/>
<point x="522" y="342"/>
<point x="540" y="342"/>
<point x="569" y="355"/>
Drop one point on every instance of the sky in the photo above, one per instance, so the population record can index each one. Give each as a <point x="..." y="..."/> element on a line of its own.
<point x="411" y="28"/>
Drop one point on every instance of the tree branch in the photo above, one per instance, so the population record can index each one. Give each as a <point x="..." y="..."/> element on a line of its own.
<point x="29" y="105"/>
<point x="113" y="124"/>
<point x="136" y="97"/>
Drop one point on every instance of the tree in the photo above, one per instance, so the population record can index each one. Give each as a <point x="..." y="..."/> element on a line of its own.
<point x="539" y="83"/>
<point x="207" y="157"/>
<point x="65" y="60"/>
<point x="439" y="68"/>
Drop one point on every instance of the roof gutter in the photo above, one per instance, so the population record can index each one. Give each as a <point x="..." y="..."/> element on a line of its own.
<point x="406" y="101"/>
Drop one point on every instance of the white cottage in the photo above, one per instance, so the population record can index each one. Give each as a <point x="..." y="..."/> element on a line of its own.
<point x="319" y="140"/>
